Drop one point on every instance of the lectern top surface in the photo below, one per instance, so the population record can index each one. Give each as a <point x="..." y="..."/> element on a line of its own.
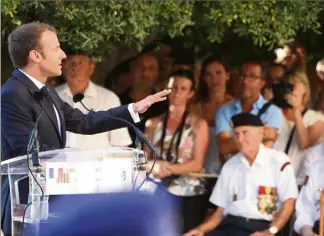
<point x="71" y="155"/>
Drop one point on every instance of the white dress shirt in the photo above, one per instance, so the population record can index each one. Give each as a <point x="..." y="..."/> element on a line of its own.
<point x="98" y="99"/>
<point x="313" y="155"/>
<point x="307" y="205"/>
<point x="39" y="85"/>
<point x="297" y="155"/>
<point x="251" y="191"/>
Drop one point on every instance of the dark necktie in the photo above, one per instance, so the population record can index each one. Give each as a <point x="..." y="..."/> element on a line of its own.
<point x="49" y="104"/>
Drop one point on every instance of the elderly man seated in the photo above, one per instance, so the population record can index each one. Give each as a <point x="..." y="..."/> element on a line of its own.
<point x="256" y="190"/>
<point x="308" y="202"/>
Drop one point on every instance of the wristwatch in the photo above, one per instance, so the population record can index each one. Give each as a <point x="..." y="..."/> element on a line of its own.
<point x="273" y="230"/>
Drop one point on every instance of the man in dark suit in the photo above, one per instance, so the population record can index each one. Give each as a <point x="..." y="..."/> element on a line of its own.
<point x="36" y="54"/>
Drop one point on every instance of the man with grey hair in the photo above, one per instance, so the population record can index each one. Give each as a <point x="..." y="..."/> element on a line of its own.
<point x="77" y="70"/>
<point x="256" y="190"/>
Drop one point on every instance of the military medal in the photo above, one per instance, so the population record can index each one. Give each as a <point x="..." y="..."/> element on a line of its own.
<point x="274" y="199"/>
<point x="261" y="198"/>
<point x="268" y="202"/>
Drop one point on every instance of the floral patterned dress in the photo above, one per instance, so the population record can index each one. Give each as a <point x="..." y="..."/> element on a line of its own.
<point x="183" y="185"/>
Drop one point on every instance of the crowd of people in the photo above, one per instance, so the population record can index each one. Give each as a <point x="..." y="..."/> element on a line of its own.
<point x="257" y="132"/>
<point x="193" y="130"/>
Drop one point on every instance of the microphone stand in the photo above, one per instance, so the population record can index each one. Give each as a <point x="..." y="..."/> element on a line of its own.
<point x="34" y="167"/>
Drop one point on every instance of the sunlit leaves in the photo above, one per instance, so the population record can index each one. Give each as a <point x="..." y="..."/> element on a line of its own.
<point x="100" y="27"/>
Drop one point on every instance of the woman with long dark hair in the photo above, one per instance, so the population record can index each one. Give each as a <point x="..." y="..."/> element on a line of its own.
<point x="211" y="95"/>
<point x="181" y="141"/>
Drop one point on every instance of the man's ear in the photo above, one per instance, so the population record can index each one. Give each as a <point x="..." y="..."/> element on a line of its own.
<point x="92" y="67"/>
<point x="262" y="84"/>
<point x="35" y="56"/>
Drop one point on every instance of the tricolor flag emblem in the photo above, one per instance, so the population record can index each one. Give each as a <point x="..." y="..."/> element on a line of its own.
<point x="62" y="177"/>
<point x="51" y="173"/>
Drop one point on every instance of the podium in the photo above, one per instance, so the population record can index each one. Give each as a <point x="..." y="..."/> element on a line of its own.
<point x="74" y="171"/>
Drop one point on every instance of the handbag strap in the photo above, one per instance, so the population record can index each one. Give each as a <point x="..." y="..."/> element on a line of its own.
<point x="264" y="109"/>
<point x="291" y="135"/>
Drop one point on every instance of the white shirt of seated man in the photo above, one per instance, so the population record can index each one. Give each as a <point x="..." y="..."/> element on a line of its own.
<point x="98" y="99"/>
<point x="313" y="154"/>
<point x="255" y="191"/>
<point x="308" y="202"/>
<point x="257" y="183"/>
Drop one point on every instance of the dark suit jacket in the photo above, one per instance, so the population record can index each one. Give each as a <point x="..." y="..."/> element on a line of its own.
<point x="19" y="111"/>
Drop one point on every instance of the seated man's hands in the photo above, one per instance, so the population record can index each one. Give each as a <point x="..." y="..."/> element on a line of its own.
<point x="194" y="232"/>
<point x="270" y="136"/>
<point x="262" y="233"/>
<point x="143" y="105"/>
<point x="270" y="133"/>
<point x="307" y="231"/>
<point x="268" y="94"/>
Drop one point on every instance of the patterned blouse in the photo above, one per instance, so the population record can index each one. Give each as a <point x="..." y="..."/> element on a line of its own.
<point x="183" y="185"/>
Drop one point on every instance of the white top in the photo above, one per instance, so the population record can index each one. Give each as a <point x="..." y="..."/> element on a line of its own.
<point x="313" y="155"/>
<point x="307" y="205"/>
<point x="295" y="153"/>
<point x="98" y="99"/>
<point x="39" y="85"/>
<point x="256" y="191"/>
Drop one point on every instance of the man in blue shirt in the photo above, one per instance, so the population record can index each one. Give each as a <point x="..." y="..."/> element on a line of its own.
<point x="252" y="80"/>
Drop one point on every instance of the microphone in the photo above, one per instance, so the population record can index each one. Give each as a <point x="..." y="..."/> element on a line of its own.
<point x="33" y="137"/>
<point x="78" y="98"/>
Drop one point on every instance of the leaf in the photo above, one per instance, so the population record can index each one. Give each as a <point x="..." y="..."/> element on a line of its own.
<point x="95" y="27"/>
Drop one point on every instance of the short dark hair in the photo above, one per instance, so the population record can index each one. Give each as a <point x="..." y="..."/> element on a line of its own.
<point x="23" y="39"/>
<point x="135" y="60"/>
<point x="122" y="68"/>
<point x="274" y="64"/>
<point x="262" y="67"/>
<point x="187" y="74"/>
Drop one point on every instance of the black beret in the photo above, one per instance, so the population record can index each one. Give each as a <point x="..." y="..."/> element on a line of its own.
<point x="246" y="119"/>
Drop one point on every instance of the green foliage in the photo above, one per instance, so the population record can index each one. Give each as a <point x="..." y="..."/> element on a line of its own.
<point x="267" y="22"/>
<point x="100" y="27"/>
